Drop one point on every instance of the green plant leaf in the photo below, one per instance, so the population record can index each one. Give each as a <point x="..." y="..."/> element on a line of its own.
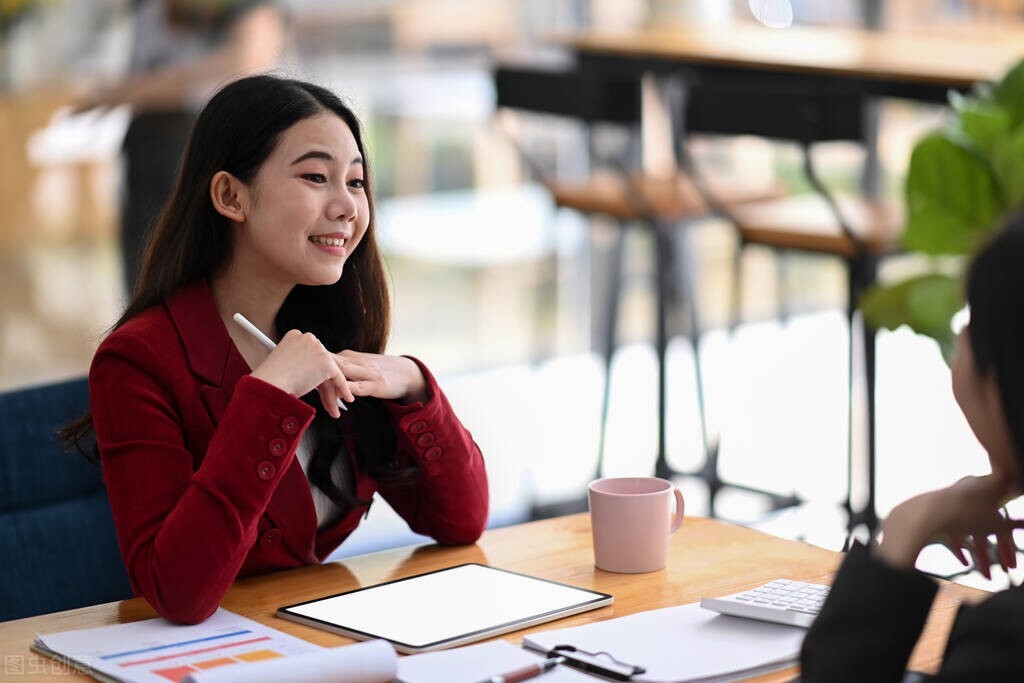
<point x="1009" y="92"/>
<point x="952" y="197"/>
<point x="1008" y="165"/>
<point x="925" y="303"/>
<point x="960" y="185"/>
<point x="983" y="124"/>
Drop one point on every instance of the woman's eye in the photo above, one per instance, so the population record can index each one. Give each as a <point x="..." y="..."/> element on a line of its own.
<point x="318" y="178"/>
<point x="358" y="183"/>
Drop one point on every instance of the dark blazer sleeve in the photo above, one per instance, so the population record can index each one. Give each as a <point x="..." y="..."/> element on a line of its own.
<point x="185" y="532"/>
<point x="869" y="624"/>
<point x="449" y="499"/>
<point x="986" y="641"/>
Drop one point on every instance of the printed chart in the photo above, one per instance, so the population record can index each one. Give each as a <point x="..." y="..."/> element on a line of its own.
<point x="157" y="651"/>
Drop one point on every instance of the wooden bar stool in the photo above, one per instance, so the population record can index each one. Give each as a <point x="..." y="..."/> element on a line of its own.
<point x="857" y="230"/>
<point x="658" y="205"/>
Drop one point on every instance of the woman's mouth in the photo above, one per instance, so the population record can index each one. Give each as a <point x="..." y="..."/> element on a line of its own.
<point x="325" y="241"/>
<point x="334" y="245"/>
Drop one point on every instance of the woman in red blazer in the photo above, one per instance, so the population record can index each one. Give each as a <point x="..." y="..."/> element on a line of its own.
<point x="223" y="458"/>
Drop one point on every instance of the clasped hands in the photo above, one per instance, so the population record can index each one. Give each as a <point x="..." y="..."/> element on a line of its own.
<point x="962" y="516"/>
<point x="300" y="363"/>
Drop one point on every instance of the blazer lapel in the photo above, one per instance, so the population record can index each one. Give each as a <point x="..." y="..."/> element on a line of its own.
<point x="217" y="364"/>
<point x="212" y="357"/>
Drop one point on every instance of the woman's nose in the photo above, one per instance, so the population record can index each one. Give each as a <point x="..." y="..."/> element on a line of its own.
<point x="344" y="207"/>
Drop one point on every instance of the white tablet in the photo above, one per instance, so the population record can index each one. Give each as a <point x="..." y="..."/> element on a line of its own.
<point x="445" y="608"/>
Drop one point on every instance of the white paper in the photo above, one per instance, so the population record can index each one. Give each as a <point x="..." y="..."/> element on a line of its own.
<point x="477" y="663"/>
<point x="158" y="651"/>
<point x="374" y="661"/>
<point x="683" y="644"/>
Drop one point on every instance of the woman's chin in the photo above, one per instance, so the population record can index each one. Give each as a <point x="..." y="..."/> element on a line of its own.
<point x="323" y="278"/>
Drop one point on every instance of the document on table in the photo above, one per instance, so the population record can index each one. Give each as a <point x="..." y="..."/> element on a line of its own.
<point x="684" y="644"/>
<point x="158" y="651"/>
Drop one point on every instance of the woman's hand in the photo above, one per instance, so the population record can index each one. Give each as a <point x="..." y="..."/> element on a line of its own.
<point x="380" y="376"/>
<point x="962" y="516"/>
<point x="299" y="364"/>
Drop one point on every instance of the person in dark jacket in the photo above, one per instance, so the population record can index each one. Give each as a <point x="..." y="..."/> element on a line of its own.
<point x="879" y="603"/>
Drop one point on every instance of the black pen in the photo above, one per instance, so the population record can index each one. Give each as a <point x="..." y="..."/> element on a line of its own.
<point x="584" y="661"/>
<point x="526" y="672"/>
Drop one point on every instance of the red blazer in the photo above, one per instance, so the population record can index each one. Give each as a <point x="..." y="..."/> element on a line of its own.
<point x="199" y="462"/>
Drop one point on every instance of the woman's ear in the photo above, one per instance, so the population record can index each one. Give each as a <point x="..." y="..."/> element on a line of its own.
<point x="228" y="195"/>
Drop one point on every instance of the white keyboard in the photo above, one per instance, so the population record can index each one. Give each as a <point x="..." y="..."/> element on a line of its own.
<point x="796" y="603"/>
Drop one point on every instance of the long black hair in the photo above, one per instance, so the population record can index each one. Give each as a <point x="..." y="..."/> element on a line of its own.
<point x="236" y="132"/>
<point x="995" y="290"/>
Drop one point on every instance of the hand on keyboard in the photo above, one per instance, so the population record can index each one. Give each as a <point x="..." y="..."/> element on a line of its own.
<point x="782" y="601"/>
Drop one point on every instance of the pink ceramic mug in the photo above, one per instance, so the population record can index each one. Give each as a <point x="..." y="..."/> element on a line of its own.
<point x="631" y="519"/>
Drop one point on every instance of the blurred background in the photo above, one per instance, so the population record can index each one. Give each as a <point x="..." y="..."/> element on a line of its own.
<point x="492" y="286"/>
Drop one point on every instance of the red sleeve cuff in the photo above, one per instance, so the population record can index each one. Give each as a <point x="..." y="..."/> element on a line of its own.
<point x="429" y="431"/>
<point x="254" y="444"/>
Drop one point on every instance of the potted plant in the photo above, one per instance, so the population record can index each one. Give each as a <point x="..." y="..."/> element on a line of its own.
<point x="963" y="181"/>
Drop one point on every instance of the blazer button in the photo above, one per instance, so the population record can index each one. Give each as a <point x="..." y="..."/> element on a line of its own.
<point x="425" y="439"/>
<point x="277" y="447"/>
<point x="289" y="425"/>
<point x="271" y="537"/>
<point x="266" y="470"/>
<point x="433" y="453"/>
<point x="418" y="427"/>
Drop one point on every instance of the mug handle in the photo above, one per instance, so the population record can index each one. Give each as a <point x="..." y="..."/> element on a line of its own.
<point x="677" y="519"/>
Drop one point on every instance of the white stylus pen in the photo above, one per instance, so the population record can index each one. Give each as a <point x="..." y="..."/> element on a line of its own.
<point x="266" y="341"/>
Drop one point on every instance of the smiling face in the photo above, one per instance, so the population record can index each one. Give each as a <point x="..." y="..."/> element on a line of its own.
<point x="306" y="210"/>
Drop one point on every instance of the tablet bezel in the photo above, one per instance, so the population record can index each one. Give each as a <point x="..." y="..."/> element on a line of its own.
<point x="597" y="600"/>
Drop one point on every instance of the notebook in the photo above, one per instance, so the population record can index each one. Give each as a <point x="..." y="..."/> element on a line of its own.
<point x="445" y="608"/>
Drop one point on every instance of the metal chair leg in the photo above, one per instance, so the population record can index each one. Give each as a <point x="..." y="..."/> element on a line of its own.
<point x="863" y="271"/>
<point x="663" y="267"/>
<point x="851" y="375"/>
<point x="869" y="516"/>
<point x="608" y="335"/>
<point x="681" y="284"/>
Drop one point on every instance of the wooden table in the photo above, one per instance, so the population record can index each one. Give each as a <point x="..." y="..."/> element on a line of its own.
<point x="901" y="64"/>
<point x="707" y="558"/>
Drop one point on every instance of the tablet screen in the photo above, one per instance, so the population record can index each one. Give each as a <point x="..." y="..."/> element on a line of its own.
<point x="446" y="608"/>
